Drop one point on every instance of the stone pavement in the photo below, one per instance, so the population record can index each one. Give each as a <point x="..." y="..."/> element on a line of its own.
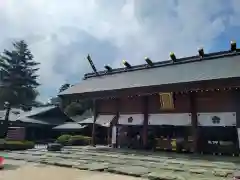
<point x="22" y="170"/>
<point x="162" y="166"/>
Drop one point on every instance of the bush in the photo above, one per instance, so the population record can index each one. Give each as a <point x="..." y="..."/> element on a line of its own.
<point x="63" y="139"/>
<point x="79" y="140"/>
<point x="17" y="145"/>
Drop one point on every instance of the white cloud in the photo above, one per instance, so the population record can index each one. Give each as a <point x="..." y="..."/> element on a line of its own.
<point x="61" y="33"/>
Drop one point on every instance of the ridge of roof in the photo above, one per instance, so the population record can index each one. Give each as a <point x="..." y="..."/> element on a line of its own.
<point x="183" y="60"/>
<point x="37" y="110"/>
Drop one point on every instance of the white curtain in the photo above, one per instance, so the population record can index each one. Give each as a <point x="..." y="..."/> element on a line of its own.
<point x="175" y="119"/>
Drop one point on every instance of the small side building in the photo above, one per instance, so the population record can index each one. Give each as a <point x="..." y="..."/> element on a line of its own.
<point x="38" y="122"/>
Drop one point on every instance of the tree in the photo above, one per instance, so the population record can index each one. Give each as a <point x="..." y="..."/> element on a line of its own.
<point x="72" y="108"/>
<point x="78" y="108"/>
<point x="64" y="87"/>
<point x="18" y="77"/>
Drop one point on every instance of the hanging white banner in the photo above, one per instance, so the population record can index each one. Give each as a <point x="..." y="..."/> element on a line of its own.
<point x="174" y="119"/>
<point x="217" y="119"/>
<point x="130" y="119"/>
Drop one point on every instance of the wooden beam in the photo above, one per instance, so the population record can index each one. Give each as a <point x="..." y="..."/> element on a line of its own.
<point x="114" y="122"/>
<point x="94" y="121"/>
<point x="236" y="99"/>
<point x="117" y="109"/>
<point x="109" y="135"/>
<point x="145" y="100"/>
<point x="194" y="120"/>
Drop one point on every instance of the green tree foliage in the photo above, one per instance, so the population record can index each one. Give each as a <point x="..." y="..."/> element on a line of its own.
<point x="64" y="87"/>
<point x="18" y="75"/>
<point x="72" y="108"/>
<point x="18" y="78"/>
<point x="63" y="103"/>
<point x="78" y="108"/>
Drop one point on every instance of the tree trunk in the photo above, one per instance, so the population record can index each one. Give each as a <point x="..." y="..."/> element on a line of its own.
<point x="6" y="122"/>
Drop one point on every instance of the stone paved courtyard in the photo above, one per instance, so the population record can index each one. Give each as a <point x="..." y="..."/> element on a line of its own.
<point x="164" y="166"/>
<point x="22" y="170"/>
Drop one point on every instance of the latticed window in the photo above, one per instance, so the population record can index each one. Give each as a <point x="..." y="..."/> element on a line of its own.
<point x="166" y="101"/>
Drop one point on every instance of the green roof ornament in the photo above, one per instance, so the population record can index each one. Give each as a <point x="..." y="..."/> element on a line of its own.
<point x="233" y="46"/>
<point x="201" y="52"/>
<point x="126" y="64"/>
<point x="148" y="61"/>
<point x="172" y="56"/>
<point x="108" y="68"/>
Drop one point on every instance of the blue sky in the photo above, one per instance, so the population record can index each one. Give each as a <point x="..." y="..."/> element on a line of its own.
<point x="61" y="33"/>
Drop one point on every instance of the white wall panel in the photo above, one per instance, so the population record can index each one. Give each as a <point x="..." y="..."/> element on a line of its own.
<point x="175" y="119"/>
<point x="217" y="119"/>
<point x="131" y="119"/>
<point x="114" y="135"/>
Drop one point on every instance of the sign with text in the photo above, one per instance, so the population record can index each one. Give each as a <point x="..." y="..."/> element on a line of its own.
<point x="166" y="101"/>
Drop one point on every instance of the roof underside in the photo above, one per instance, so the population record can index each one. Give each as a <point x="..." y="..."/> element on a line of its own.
<point x="69" y="126"/>
<point x="211" y="69"/>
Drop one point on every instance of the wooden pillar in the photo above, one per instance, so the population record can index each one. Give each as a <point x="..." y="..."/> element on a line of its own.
<point x="194" y="120"/>
<point x="145" y="122"/>
<point x="114" y="122"/>
<point x="94" y="121"/>
<point x="117" y="109"/>
<point x="109" y="134"/>
<point x="236" y="99"/>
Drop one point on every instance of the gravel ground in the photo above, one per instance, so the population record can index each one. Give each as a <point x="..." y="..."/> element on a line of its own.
<point x="21" y="170"/>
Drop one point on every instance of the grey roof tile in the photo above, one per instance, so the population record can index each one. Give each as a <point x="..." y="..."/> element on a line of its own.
<point x="13" y="115"/>
<point x="87" y="121"/>
<point x="71" y="125"/>
<point x="224" y="67"/>
<point x="102" y="120"/>
<point x="37" y="110"/>
<point x="85" y="115"/>
<point x="31" y="116"/>
<point x="33" y="121"/>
